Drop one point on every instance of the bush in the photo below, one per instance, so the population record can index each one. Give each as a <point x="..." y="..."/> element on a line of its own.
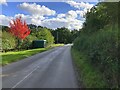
<point x="45" y="34"/>
<point x="101" y="48"/>
<point x="27" y="43"/>
<point x="89" y="77"/>
<point x="8" y="41"/>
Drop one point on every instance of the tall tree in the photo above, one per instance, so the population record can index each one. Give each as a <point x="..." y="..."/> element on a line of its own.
<point x="19" y="28"/>
<point x="45" y="34"/>
<point x="62" y="35"/>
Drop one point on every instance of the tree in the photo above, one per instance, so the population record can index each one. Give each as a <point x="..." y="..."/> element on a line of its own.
<point x="62" y="35"/>
<point x="19" y="28"/>
<point x="45" y="34"/>
<point x="102" y="14"/>
<point x="74" y="34"/>
<point x="99" y="42"/>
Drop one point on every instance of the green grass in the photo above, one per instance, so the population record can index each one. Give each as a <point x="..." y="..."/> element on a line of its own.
<point x="89" y="76"/>
<point x="57" y="45"/>
<point x="10" y="57"/>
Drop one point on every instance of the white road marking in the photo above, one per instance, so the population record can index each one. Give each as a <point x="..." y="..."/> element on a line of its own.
<point x="33" y="71"/>
<point x="24" y="78"/>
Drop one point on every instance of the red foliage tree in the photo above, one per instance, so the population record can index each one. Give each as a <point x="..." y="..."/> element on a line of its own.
<point x="19" y="28"/>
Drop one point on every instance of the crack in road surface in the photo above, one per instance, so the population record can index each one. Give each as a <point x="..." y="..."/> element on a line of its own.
<point x="49" y="69"/>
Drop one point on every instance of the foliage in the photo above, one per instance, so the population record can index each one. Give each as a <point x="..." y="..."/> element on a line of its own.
<point x="37" y="33"/>
<point x="19" y="28"/>
<point x="57" y="45"/>
<point x="27" y="43"/>
<point x="64" y="35"/>
<point x="60" y="35"/>
<point x="8" y="41"/>
<point x="98" y="40"/>
<point x="100" y="16"/>
<point x="10" y="57"/>
<point x="42" y="33"/>
<point x="45" y="34"/>
<point x="74" y="34"/>
<point x="89" y="76"/>
<point x="5" y="28"/>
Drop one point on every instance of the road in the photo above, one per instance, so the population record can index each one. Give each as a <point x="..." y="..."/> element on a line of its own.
<point x="49" y="69"/>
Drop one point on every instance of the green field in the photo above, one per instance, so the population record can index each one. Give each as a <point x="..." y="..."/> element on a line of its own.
<point x="10" y="57"/>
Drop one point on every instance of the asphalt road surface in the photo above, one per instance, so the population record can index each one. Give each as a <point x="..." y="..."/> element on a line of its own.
<point x="49" y="69"/>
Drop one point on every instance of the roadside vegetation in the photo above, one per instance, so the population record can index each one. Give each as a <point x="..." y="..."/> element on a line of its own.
<point x="88" y="76"/>
<point x="95" y="51"/>
<point x="19" y="36"/>
<point x="14" y="56"/>
<point x="10" y="57"/>
<point x="64" y="35"/>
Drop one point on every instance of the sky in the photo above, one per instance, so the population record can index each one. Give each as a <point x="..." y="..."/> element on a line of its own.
<point x="69" y="14"/>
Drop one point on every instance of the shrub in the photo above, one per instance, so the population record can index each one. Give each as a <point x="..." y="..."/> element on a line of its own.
<point x="8" y="41"/>
<point x="45" y="34"/>
<point x="101" y="48"/>
<point x="27" y="43"/>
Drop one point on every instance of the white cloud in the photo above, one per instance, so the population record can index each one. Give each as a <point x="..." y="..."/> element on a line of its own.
<point x="52" y="23"/>
<point x="70" y="19"/>
<point x="80" y="5"/>
<point x="70" y="23"/>
<point x="55" y="23"/>
<point x="75" y="14"/>
<point x="31" y="19"/>
<point x="27" y="18"/>
<point x="4" y="20"/>
<point x="62" y="20"/>
<point x="81" y="13"/>
<point x="71" y="14"/>
<point x="61" y="15"/>
<point x="82" y="8"/>
<point x="3" y="2"/>
<point x="39" y="16"/>
<point x="35" y="9"/>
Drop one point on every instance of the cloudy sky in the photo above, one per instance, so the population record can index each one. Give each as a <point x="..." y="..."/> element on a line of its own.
<point x="69" y="14"/>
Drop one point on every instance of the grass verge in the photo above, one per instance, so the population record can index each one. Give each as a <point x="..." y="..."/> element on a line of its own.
<point x="10" y="57"/>
<point x="89" y="76"/>
<point x="57" y="45"/>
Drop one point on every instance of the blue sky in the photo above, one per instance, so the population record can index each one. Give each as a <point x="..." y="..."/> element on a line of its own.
<point x="50" y="14"/>
<point x="12" y="7"/>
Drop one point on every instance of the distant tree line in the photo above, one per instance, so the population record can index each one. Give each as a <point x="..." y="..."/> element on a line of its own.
<point x="64" y="35"/>
<point x="61" y="35"/>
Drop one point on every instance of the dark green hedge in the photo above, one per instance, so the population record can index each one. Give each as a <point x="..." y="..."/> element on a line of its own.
<point x="102" y="50"/>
